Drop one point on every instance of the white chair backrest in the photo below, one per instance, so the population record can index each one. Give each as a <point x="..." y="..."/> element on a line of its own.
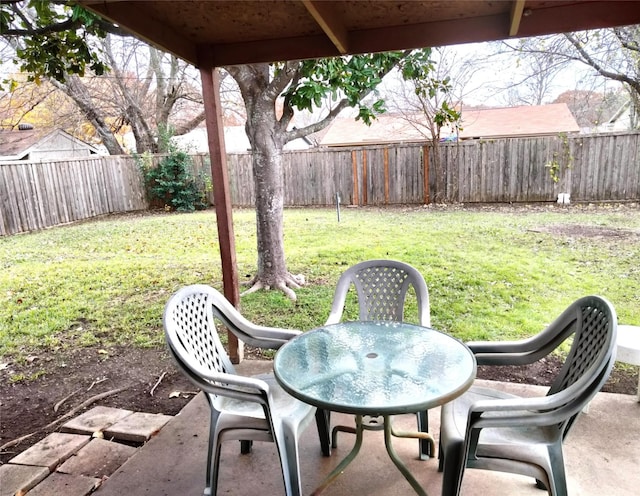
<point x="381" y="287"/>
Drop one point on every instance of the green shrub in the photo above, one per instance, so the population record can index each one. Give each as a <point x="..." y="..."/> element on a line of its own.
<point x="171" y="184"/>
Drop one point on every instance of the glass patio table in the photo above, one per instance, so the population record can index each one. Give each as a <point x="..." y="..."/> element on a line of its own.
<point x="375" y="368"/>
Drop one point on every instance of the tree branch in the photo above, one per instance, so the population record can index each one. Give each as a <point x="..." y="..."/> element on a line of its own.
<point x="59" y="27"/>
<point x="70" y="413"/>
<point x="625" y="42"/>
<point x="587" y="59"/>
<point x="190" y="125"/>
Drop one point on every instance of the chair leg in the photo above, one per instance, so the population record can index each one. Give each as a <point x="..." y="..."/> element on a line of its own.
<point x="287" y="442"/>
<point x="556" y="471"/>
<point x="323" y="423"/>
<point x="423" y="426"/>
<point x="453" y="465"/>
<point x="213" y="470"/>
<point x="210" y="452"/>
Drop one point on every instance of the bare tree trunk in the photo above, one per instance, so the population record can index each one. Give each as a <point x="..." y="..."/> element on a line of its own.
<point x="80" y="95"/>
<point x="267" y="177"/>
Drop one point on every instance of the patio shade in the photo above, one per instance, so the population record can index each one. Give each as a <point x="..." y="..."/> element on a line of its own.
<point x="244" y="32"/>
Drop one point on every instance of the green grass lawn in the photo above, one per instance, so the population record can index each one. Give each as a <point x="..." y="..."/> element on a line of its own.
<point x="492" y="274"/>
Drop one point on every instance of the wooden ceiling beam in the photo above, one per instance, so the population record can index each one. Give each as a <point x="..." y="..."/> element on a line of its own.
<point x="140" y="25"/>
<point x="521" y="19"/>
<point x="567" y="17"/>
<point x="365" y="41"/>
<point x="326" y="17"/>
<point x="430" y="34"/>
<point x="517" y="8"/>
<point x="252" y="52"/>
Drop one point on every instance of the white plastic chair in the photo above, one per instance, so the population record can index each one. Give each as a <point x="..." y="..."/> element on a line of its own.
<point x="492" y="430"/>
<point x="242" y="408"/>
<point x="381" y="287"/>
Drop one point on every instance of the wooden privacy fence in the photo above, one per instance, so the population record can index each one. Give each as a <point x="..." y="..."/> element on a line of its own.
<point x="588" y="167"/>
<point x="37" y="195"/>
<point x="368" y="176"/>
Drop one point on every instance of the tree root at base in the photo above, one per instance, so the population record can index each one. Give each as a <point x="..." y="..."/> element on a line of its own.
<point x="286" y="284"/>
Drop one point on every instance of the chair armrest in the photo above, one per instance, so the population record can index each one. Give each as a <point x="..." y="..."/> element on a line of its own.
<point x="238" y="381"/>
<point x="538" y="411"/>
<point x="334" y="317"/>
<point x="237" y="387"/>
<point x="245" y="330"/>
<point x="528" y="350"/>
<point x="503" y="353"/>
<point x="268" y="337"/>
<point x="521" y="352"/>
<point x="339" y="297"/>
<point x="510" y="413"/>
<point x="511" y="405"/>
<point x="499" y="347"/>
<point x="337" y="305"/>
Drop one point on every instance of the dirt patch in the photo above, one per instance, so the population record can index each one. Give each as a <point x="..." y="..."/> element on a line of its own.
<point x="577" y="230"/>
<point x="623" y="380"/>
<point x="28" y="405"/>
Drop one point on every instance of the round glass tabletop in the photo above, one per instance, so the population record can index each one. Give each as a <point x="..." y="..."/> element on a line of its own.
<point x="375" y="368"/>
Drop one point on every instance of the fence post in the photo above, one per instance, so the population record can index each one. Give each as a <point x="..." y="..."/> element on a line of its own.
<point x="354" y="172"/>
<point x="386" y="175"/>
<point x="425" y="168"/>
<point x="364" y="178"/>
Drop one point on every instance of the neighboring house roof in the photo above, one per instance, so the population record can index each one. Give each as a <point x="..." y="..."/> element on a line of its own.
<point x="534" y="120"/>
<point x="386" y="128"/>
<point x="34" y="144"/>
<point x="522" y="121"/>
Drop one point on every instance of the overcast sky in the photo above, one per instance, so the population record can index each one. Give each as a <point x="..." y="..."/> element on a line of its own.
<point x="495" y="74"/>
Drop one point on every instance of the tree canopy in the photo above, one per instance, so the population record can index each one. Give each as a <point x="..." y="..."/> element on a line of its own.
<point x="53" y="38"/>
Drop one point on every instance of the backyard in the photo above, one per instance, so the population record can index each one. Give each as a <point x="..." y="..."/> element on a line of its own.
<point x="81" y="305"/>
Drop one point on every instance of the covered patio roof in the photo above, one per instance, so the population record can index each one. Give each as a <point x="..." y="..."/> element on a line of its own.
<point x="245" y="32"/>
<point x="211" y="34"/>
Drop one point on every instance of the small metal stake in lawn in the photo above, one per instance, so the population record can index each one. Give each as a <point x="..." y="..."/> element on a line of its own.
<point x="338" y="205"/>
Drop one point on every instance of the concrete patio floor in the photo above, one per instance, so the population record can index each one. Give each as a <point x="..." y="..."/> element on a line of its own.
<point x="602" y="457"/>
